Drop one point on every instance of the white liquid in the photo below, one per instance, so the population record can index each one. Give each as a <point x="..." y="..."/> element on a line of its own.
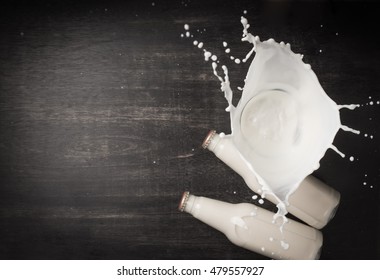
<point x="284" y="122"/>
<point x="346" y="128"/>
<point x="351" y="106"/>
<point x="207" y="55"/>
<point x="337" y="151"/>
<point x="282" y="116"/>
<point x="284" y="245"/>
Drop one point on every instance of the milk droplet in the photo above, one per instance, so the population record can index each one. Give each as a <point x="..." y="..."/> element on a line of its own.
<point x="232" y="58"/>
<point x="228" y="50"/>
<point x="364" y="183"/>
<point x="320" y="51"/>
<point x="254" y="196"/>
<point x="234" y="192"/>
<point x="377" y="102"/>
<point x="245" y="12"/>
<point x="225" y="44"/>
<point x="237" y="61"/>
<point x="153" y="4"/>
<point x="261" y="201"/>
<point x="182" y="35"/>
<point x="350" y="106"/>
<point x="200" y="45"/>
<point x="337" y="151"/>
<point x="284" y="245"/>
<point x="188" y="34"/>
<point x="214" y="57"/>
<point x="371" y="103"/>
<point x="195" y="42"/>
<point x="349" y="129"/>
<point x="352" y="158"/>
<point x="238" y="221"/>
<point x="207" y="55"/>
<point x="337" y="34"/>
<point x="365" y="135"/>
<point x="186" y="26"/>
<point x="371" y="137"/>
<point x="263" y="249"/>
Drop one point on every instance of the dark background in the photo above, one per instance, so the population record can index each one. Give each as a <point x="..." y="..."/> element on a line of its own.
<point x="103" y="107"/>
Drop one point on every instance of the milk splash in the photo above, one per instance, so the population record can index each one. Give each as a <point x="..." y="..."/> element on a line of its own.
<point x="284" y="122"/>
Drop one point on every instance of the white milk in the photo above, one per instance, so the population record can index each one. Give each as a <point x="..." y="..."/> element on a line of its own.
<point x="284" y="121"/>
<point x="252" y="228"/>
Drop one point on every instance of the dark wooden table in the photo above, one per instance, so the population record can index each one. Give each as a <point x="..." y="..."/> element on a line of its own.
<point x="103" y="107"/>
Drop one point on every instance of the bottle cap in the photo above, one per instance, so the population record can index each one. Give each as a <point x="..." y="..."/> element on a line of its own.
<point x="208" y="139"/>
<point x="183" y="201"/>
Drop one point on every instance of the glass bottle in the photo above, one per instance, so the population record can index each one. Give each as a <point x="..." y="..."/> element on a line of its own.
<point x="255" y="229"/>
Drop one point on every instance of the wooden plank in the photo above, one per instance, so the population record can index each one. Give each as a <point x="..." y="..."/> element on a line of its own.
<point x="103" y="109"/>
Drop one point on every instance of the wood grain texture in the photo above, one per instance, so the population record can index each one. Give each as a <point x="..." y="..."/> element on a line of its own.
<point x="103" y="107"/>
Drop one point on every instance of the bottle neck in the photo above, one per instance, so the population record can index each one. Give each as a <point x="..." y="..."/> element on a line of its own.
<point x="213" y="212"/>
<point x="223" y="147"/>
<point x="211" y="140"/>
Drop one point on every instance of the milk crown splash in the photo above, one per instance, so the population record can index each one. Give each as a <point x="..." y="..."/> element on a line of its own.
<point x="284" y="121"/>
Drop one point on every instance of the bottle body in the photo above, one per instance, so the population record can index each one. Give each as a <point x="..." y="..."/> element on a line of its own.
<point x="253" y="228"/>
<point x="313" y="201"/>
